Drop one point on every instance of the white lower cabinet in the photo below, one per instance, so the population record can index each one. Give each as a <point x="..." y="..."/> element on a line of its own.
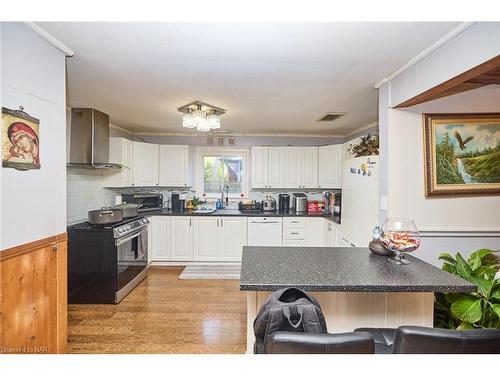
<point x="233" y="237"/>
<point x="206" y="238"/>
<point x="159" y="235"/>
<point x="219" y="238"/>
<point x="315" y="235"/>
<point x="181" y="238"/>
<point x="332" y="234"/>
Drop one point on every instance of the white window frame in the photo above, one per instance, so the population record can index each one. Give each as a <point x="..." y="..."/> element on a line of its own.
<point x="201" y="152"/>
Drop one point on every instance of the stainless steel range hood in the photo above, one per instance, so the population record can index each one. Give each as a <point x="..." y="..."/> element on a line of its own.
<point x="89" y="139"/>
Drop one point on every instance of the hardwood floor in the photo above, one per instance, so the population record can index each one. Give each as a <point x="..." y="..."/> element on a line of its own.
<point x="164" y="315"/>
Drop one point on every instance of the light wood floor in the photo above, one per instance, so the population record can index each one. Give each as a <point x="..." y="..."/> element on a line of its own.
<point x="164" y="315"/>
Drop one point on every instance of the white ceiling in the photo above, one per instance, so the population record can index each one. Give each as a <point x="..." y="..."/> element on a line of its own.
<point x="271" y="78"/>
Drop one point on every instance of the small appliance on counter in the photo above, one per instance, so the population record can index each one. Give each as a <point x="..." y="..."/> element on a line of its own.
<point x="300" y="202"/>
<point x="269" y="204"/>
<point x="146" y="201"/>
<point x="178" y="202"/>
<point x="284" y="203"/>
<point x="249" y="205"/>
<point x="315" y="207"/>
<point x="327" y="200"/>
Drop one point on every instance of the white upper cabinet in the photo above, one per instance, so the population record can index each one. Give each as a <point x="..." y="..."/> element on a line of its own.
<point x="145" y="168"/>
<point x="121" y="151"/>
<point x="310" y="167"/>
<point x="260" y="167"/>
<point x="233" y="236"/>
<point x="330" y="167"/>
<point x="175" y="166"/>
<point x="301" y="167"/>
<point x="181" y="238"/>
<point x="294" y="163"/>
<point x="276" y="167"/>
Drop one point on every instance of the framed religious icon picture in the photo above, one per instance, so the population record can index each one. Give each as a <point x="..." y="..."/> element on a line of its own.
<point x="20" y="140"/>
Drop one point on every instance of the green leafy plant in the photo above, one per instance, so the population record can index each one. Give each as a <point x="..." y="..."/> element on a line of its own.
<point x="479" y="309"/>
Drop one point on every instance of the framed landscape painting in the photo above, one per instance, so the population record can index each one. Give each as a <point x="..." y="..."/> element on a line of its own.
<point x="462" y="153"/>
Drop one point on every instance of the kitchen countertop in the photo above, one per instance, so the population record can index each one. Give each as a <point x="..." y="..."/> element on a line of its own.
<point x="340" y="270"/>
<point x="231" y="212"/>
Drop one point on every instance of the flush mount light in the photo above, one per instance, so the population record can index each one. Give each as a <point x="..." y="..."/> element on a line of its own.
<point x="204" y="117"/>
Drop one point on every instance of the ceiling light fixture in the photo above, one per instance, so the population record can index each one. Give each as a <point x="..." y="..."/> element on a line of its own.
<point x="204" y="117"/>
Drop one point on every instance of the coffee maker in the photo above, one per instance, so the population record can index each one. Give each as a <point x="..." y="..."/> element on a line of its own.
<point x="284" y="203"/>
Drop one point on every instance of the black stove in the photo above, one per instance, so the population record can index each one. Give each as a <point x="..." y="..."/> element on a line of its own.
<point x="106" y="262"/>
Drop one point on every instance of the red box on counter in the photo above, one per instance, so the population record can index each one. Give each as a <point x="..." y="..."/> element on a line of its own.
<point x="315" y="207"/>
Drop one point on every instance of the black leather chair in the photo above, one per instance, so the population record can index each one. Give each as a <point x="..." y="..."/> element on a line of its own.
<point x="320" y="343"/>
<point x="404" y="340"/>
<point x="424" y="340"/>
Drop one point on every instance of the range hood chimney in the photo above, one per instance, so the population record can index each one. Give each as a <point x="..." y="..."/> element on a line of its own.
<point x="89" y="139"/>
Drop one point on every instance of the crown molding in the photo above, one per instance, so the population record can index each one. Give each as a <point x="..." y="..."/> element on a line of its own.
<point x="426" y="52"/>
<point x="50" y="38"/>
<point x="362" y="128"/>
<point x="121" y="129"/>
<point x="174" y="134"/>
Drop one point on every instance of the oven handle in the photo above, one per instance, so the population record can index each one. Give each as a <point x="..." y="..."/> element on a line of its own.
<point x="126" y="239"/>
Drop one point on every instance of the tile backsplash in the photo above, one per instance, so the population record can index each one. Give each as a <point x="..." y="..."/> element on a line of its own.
<point x="85" y="193"/>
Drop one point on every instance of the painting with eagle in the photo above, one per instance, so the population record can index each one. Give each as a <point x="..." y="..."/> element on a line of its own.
<point x="463" y="143"/>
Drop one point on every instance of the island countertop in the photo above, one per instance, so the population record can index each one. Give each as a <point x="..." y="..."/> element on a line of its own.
<point x="340" y="270"/>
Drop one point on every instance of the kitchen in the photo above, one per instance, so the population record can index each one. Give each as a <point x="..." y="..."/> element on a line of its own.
<point x="179" y="218"/>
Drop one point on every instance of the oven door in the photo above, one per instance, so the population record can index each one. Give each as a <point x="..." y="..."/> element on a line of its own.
<point x="132" y="256"/>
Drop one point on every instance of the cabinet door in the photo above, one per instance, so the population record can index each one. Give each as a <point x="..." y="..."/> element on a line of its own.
<point x="315" y="236"/>
<point x="175" y="166"/>
<point x="120" y="152"/>
<point x="310" y="167"/>
<point x="233" y="237"/>
<point x="276" y="178"/>
<point x="181" y="243"/>
<point x="145" y="164"/>
<point x="330" y="166"/>
<point x="332" y="234"/>
<point x="206" y="238"/>
<point x="336" y="235"/>
<point x="160" y="230"/>
<point x="260" y="159"/>
<point x="294" y="164"/>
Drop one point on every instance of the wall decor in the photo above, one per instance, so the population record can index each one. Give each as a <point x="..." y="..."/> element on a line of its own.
<point x="462" y="153"/>
<point x="362" y="146"/>
<point x="20" y="140"/>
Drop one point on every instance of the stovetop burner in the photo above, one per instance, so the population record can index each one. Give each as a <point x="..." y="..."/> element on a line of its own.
<point x="120" y="229"/>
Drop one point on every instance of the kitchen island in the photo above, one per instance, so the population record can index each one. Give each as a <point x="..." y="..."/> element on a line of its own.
<point x="354" y="287"/>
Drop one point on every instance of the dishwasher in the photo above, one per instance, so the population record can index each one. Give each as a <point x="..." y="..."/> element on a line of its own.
<point x="265" y="231"/>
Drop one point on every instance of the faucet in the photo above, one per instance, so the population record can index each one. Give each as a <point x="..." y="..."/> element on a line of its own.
<point x="226" y="187"/>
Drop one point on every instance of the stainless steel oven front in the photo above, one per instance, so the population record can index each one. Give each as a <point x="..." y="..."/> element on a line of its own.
<point x="132" y="261"/>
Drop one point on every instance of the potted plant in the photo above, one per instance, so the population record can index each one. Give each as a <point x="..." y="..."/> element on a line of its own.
<point x="479" y="309"/>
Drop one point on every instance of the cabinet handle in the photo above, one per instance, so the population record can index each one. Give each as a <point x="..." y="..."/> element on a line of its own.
<point x="295" y="222"/>
<point x="294" y="232"/>
<point x="217" y="222"/>
<point x="54" y="246"/>
<point x="189" y="221"/>
<point x="221" y="222"/>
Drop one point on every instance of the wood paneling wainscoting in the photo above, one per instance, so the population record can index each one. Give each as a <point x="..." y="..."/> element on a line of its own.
<point x="33" y="297"/>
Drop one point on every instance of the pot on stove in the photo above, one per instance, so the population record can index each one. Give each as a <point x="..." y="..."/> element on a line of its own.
<point x="104" y="216"/>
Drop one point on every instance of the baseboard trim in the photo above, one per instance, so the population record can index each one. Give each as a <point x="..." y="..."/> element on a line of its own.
<point x="181" y="264"/>
<point x="32" y="246"/>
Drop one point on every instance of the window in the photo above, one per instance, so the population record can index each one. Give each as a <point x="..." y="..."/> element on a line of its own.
<point x="219" y="171"/>
<point x="217" y="168"/>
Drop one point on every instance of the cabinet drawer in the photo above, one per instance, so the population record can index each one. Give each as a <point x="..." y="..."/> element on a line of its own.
<point x="294" y="233"/>
<point x="298" y="243"/>
<point x="294" y="222"/>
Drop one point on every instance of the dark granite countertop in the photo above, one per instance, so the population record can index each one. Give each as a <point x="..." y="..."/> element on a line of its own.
<point x="230" y="212"/>
<point x="340" y="269"/>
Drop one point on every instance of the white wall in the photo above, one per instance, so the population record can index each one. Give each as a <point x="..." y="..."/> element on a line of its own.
<point x="406" y="194"/>
<point x="33" y="203"/>
<point x="473" y="46"/>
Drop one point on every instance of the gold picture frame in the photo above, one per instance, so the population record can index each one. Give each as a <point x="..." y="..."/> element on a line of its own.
<point x="462" y="153"/>
<point x="20" y="140"/>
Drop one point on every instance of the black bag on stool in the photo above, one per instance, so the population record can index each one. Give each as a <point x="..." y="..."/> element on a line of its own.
<point x="288" y="309"/>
